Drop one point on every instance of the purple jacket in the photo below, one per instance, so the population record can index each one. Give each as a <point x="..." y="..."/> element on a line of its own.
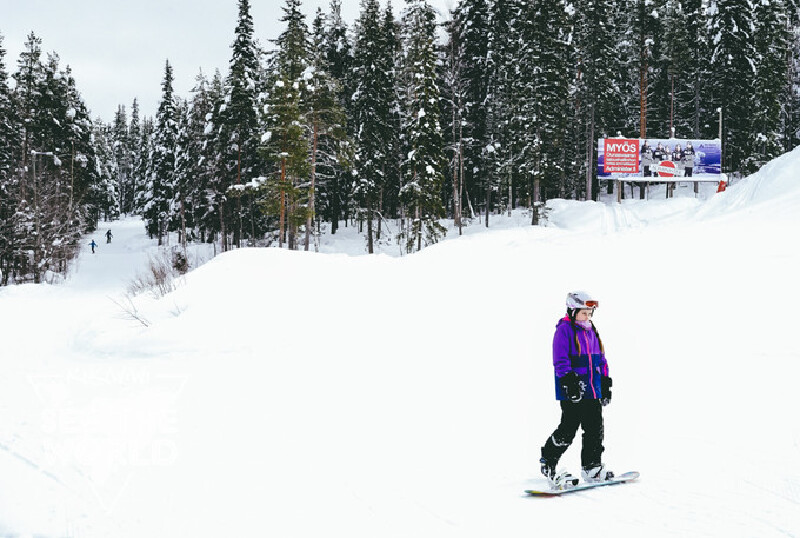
<point x="584" y="357"/>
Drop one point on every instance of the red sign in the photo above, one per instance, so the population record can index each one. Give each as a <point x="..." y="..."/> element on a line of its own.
<point x="666" y="164"/>
<point x="621" y="156"/>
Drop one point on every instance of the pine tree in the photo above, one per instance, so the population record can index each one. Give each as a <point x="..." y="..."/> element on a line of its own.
<point x="106" y="192"/>
<point x="286" y="142"/>
<point x="161" y="177"/>
<point x="471" y="18"/>
<point x="598" y="101"/>
<point x="792" y="120"/>
<point x="212" y="217"/>
<point x="122" y="156"/>
<point x="135" y="156"/>
<point x="770" y="92"/>
<point x="370" y="111"/>
<point x="8" y="183"/>
<point x="28" y="80"/>
<point x="239" y="127"/>
<point x="392" y="174"/>
<point x="327" y="125"/>
<point x="421" y="192"/>
<point x="506" y="102"/>
<point x="339" y="63"/>
<point x="545" y="58"/>
<point x="733" y="58"/>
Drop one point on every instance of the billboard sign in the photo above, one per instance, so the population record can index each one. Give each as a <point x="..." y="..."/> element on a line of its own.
<point x="681" y="159"/>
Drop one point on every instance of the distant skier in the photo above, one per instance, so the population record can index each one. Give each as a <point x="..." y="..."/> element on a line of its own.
<point x="109" y="235"/>
<point x="93" y="245"/>
<point x="582" y="388"/>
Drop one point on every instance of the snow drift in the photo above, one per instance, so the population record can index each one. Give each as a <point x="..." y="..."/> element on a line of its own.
<point x="295" y="394"/>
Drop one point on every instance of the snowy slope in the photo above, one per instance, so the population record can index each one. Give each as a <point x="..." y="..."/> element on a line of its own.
<point x="296" y="394"/>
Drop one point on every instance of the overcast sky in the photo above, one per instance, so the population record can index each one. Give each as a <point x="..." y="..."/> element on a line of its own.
<point x="117" y="49"/>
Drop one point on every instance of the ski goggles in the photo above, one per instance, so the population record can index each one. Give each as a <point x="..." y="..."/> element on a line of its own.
<point x="592" y="304"/>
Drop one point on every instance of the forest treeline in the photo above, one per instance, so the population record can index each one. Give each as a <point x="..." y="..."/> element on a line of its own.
<point x="391" y="124"/>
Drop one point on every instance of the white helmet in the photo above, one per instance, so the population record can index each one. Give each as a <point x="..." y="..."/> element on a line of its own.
<point x="578" y="300"/>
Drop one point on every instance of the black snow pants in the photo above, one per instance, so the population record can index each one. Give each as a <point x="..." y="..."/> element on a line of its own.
<point x="587" y="414"/>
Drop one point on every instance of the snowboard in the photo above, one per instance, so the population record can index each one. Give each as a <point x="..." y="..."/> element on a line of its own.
<point x="621" y="479"/>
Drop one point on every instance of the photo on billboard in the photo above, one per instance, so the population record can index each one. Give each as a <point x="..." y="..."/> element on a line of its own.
<point x="682" y="159"/>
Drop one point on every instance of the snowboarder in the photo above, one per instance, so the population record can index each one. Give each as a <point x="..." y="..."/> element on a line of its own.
<point x="583" y="388"/>
<point x="93" y="245"/>
<point x="109" y="235"/>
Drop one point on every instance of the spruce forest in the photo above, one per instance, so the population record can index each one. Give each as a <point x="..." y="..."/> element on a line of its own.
<point x="392" y="123"/>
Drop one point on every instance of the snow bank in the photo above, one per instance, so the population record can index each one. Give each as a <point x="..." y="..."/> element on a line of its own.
<point x="296" y="394"/>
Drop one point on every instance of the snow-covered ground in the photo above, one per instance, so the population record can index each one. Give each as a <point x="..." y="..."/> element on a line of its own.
<point x="294" y="394"/>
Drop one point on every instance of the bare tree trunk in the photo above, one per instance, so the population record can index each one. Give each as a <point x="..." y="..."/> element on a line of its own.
<point x="310" y="215"/>
<point x="183" y="224"/>
<point x="237" y="233"/>
<point x="460" y="174"/>
<point x="282" y="202"/>
<point x="590" y="154"/>
<point x="223" y="230"/>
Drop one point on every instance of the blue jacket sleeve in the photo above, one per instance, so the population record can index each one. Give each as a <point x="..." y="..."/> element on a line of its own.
<point x="561" y="344"/>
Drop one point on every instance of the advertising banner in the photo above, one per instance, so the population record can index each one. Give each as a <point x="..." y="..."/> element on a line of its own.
<point x="673" y="159"/>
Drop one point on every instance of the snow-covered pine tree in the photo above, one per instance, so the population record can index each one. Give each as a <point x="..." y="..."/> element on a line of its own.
<point x="339" y="63"/>
<point x="509" y="95"/>
<point x="213" y="198"/>
<point x="370" y="113"/>
<point x="598" y="100"/>
<point x="770" y="94"/>
<point x="545" y="58"/>
<point x="392" y="173"/>
<point x="673" y="110"/>
<point x="471" y="20"/>
<point x="424" y="166"/>
<point x="452" y="109"/>
<point x="327" y="127"/>
<point x="285" y="140"/>
<point x="642" y="31"/>
<point x="145" y="163"/>
<point x="194" y="161"/>
<point x="161" y="177"/>
<point x="9" y="141"/>
<point x="135" y="156"/>
<point x="733" y="59"/>
<point x="185" y="157"/>
<point x="105" y="193"/>
<point x="697" y="71"/>
<point x="792" y="114"/>
<point x="122" y="156"/>
<point x="238" y="124"/>
<point x="83" y="216"/>
<point x="28" y="79"/>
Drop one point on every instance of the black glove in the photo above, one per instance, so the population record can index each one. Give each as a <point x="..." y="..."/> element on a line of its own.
<point x="573" y="387"/>
<point x="605" y="390"/>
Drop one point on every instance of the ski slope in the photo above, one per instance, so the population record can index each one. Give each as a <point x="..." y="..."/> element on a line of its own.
<point x="295" y="394"/>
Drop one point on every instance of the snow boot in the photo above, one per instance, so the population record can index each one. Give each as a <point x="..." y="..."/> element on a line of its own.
<point x="557" y="479"/>
<point x="596" y="473"/>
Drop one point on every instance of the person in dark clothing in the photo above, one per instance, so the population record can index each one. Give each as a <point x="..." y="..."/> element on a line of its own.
<point x="647" y="158"/>
<point x="109" y="235"/>
<point x="689" y="160"/>
<point x="658" y="156"/>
